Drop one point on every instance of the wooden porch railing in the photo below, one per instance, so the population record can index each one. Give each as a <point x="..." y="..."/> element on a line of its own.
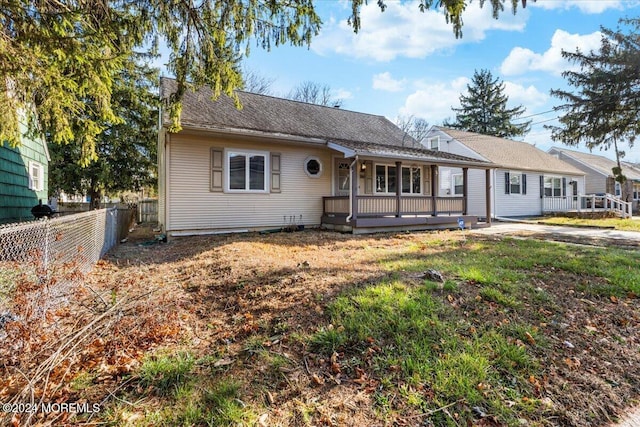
<point x="560" y="204"/>
<point x="377" y="206"/>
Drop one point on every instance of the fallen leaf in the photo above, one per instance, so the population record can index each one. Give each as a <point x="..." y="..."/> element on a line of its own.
<point x="317" y="380"/>
<point x="530" y="338"/>
<point x="223" y="362"/>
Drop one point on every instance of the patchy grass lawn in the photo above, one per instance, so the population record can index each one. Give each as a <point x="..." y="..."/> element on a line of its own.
<point x="319" y="328"/>
<point x="615" y="223"/>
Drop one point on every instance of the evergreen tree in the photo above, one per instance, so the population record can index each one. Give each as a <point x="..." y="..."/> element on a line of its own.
<point x="484" y="109"/>
<point x="126" y="148"/>
<point x="57" y="54"/>
<point x="603" y="109"/>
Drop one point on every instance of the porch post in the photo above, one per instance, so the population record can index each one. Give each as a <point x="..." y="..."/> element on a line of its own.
<point x="354" y="190"/>
<point x="487" y="183"/>
<point x="434" y="189"/>
<point x="465" y="191"/>
<point x="398" y="187"/>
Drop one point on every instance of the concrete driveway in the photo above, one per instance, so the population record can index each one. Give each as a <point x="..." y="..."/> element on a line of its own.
<point x="584" y="235"/>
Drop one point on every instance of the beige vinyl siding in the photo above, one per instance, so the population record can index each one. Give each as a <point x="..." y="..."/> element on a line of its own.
<point x="193" y="207"/>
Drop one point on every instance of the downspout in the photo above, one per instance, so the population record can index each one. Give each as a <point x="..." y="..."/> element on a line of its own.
<point x="351" y="168"/>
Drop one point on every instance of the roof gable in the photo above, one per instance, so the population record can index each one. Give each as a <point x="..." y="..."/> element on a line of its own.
<point x="511" y="154"/>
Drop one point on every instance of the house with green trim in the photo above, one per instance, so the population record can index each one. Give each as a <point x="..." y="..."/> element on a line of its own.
<point x="24" y="174"/>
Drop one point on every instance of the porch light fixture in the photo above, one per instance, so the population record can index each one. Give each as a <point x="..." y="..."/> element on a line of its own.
<point x="363" y="166"/>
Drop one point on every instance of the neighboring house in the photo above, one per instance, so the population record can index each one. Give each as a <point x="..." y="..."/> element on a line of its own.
<point x="526" y="182"/>
<point x="23" y="178"/>
<point x="278" y="163"/>
<point x="599" y="174"/>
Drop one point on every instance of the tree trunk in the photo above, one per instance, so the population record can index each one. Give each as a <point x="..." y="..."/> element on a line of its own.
<point x="95" y="198"/>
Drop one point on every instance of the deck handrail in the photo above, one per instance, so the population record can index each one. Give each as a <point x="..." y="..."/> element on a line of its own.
<point x="605" y="203"/>
<point x="371" y="206"/>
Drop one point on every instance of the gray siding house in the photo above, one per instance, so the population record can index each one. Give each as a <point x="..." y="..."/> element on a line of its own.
<point x="526" y="181"/>
<point x="599" y="175"/>
<point x="278" y="163"/>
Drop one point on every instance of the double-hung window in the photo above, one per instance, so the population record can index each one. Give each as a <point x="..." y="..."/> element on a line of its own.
<point x="411" y="180"/>
<point x="36" y="176"/>
<point x="552" y="186"/>
<point x="458" y="184"/>
<point x="246" y="171"/>
<point x="515" y="182"/>
<point x="387" y="179"/>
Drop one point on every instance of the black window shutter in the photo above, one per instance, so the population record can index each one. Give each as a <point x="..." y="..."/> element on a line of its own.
<point x="564" y="187"/>
<point x="524" y="184"/>
<point x="507" y="183"/>
<point x="541" y="186"/>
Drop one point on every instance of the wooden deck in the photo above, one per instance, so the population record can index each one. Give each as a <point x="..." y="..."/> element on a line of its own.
<point x="390" y="213"/>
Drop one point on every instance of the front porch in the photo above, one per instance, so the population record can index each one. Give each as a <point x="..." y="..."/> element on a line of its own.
<point x="390" y="213"/>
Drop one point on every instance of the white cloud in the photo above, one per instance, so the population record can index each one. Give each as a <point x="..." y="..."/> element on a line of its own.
<point x="385" y="82"/>
<point x="402" y="31"/>
<point x="434" y="102"/>
<point x="521" y="60"/>
<point x="342" y="94"/>
<point x="585" y="6"/>
<point x="530" y="97"/>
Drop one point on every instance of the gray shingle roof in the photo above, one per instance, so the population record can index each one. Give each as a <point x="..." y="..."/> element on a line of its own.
<point x="511" y="154"/>
<point x="600" y="163"/>
<point x="388" y="151"/>
<point x="279" y="116"/>
<point x="365" y="134"/>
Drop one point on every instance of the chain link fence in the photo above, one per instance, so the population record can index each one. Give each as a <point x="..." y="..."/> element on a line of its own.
<point x="54" y="254"/>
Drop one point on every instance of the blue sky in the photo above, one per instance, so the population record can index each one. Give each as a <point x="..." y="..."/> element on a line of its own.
<point x="405" y="63"/>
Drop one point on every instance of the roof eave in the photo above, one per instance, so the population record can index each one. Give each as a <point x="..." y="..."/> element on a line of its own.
<point x="252" y="133"/>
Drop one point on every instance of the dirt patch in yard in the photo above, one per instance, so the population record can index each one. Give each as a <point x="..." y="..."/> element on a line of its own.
<point x="242" y="305"/>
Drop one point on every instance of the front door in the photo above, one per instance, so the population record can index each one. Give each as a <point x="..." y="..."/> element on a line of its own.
<point x="341" y="177"/>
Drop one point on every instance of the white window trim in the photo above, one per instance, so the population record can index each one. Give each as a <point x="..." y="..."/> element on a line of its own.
<point x="434" y="138"/>
<point x="398" y="179"/>
<point x="453" y="184"/>
<point x="317" y="159"/>
<point x="386" y="174"/>
<point x="227" y="170"/>
<point x="552" y="178"/>
<point x="39" y="185"/>
<point x="511" y="175"/>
